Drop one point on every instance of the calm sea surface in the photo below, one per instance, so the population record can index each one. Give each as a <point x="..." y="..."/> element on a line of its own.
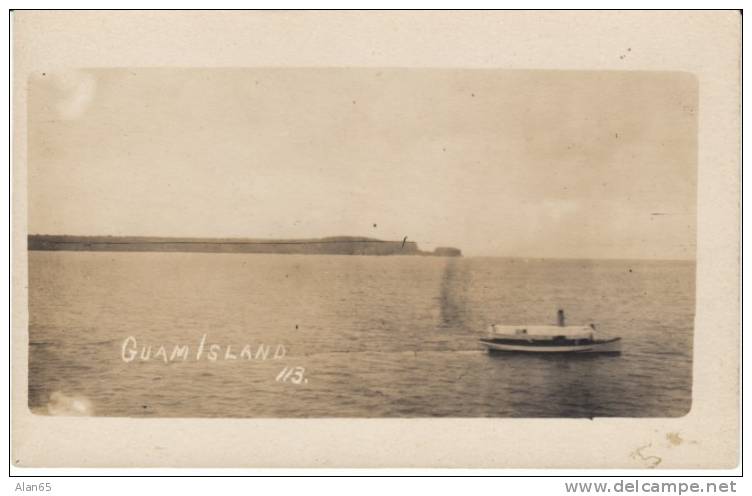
<point x="361" y="336"/>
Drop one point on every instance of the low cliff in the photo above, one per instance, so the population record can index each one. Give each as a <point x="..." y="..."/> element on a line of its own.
<point x="340" y="245"/>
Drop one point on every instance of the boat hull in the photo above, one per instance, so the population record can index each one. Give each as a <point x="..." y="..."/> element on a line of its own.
<point x="599" y="346"/>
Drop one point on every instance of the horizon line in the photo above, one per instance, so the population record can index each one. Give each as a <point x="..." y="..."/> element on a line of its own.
<point x="327" y="239"/>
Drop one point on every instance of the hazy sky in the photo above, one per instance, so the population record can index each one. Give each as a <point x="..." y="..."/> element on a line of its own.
<point x="507" y="163"/>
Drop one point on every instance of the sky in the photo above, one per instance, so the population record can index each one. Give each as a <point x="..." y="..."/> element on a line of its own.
<point x="519" y="163"/>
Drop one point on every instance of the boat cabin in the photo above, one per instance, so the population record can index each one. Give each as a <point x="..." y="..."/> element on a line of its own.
<point x="544" y="334"/>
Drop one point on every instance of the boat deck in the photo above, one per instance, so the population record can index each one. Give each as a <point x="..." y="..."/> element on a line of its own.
<point x="540" y="342"/>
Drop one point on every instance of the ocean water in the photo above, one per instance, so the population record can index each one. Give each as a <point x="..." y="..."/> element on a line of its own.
<point x="354" y="336"/>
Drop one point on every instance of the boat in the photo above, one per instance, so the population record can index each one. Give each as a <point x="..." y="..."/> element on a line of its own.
<point x="559" y="338"/>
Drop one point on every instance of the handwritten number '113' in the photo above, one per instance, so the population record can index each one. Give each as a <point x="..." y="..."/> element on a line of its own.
<point x="293" y="375"/>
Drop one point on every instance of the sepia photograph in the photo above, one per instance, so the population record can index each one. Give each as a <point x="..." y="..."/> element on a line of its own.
<point x="495" y="240"/>
<point x="361" y="242"/>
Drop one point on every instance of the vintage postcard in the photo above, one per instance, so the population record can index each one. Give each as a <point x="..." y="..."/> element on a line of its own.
<point x="452" y="258"/>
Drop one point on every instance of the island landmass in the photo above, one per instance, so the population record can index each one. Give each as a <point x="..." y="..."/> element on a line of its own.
<point x="335" y="245"/>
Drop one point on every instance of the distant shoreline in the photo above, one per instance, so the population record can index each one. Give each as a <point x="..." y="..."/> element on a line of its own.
<point x="337" y="245"/>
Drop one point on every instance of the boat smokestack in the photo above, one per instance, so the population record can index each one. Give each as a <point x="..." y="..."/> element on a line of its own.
<point x="560" y="317"/>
